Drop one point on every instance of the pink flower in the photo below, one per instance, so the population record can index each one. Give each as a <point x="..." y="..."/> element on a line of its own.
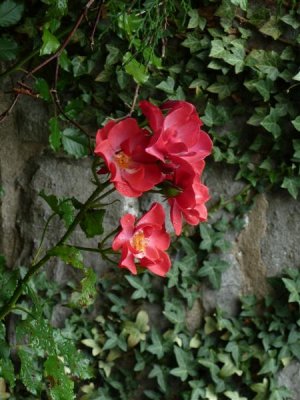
<point x="122" y="146"/>
<point x="189" y="198"/>
<point x="144" y="242"/>
<point x="178" y="134"/>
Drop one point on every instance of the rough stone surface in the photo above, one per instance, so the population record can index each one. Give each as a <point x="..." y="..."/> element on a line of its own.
<point x="289" y="377"/>
<point x="15" y="154"/>
<point x="280" y="246"/>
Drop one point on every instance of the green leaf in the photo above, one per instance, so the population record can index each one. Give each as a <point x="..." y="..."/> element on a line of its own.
<point x="186" y="364"/>
<point x="156" y="347"/>
<point x="297" y="77"/>
<point x="61" y="386"/>
<point x="7" y="371"/>
<point x="92" y="223"/>
<point x="234" y="395"/>
<point x="236" y="56"/>
<point x="270" y="123"/>
<point x="8" y="49"/>
<point x="291" y="20"/>
<point x="63" y="207"/>
<point x="243" y="4"/>
<point x="73" y="358"/>
<point x="50" y="43"/>
<point x="114" y="55"/>
<point x="158" y="373"/>
<point x="8" y="281"/>
<point x="70" y="255"/>
<point x="74" y="142"/>
<point x="42" y="87"/>
<point x="137" y="70"/>
<point x="292" y="185"/>
<point x="10" y="13"/>
<point x="213" y="269"/>
<point x="168" y="86"/>
<point x="271" y="28"/>
<point x="135" y="282"/>
<point x="55" y="134"/>
<point x="30" y="374"/>
<point x="228" y="368"/>
<point x="296" y="122"/>
<point x="217" y="49"/>
<point x="88" y="289"/>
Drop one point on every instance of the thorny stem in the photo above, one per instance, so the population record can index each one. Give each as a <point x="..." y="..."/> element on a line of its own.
<point x="37" y="266"/>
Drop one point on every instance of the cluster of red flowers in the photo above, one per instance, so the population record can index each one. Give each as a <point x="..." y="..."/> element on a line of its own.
<point x="169" y="156"/>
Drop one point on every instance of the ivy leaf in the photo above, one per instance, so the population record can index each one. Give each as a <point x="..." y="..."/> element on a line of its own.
<point x="156" y="347"/>
<point x="217" y="49"/>
<point x="271" y="28"/>
<point x="213" y="269"/>
<point x="270" y="123"/>
<point x="8" y="48"/>
<point x="297" y="77"/>
<point x="10" y="13"/>
<point x="186" y="364"/>
<point x="261" y="389"/>
<point x="234" y="395"/>
<point x="61" y="386"/>
<point x="135" y="282"/>
<point x="92" y="223"/>
<point x="70" y="255"/>
<point x="167" y="86"/>
<point x="291" y="20"/>
<point x="137" y="70"/>
<point x="296" y="121"/>
<point x="158" y="373"/>
<point x="243" y="4"/>
<point x="114" y="55"/>
<point x="74" y="142"/>
<point x="292" y="185"/>
<point x="50" y="43"/>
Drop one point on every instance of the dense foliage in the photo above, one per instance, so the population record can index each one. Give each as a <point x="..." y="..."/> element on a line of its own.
<point x="238" y="62"/>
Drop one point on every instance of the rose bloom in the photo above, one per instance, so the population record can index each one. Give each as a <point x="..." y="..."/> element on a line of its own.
<point x="188" y="198"/>
<point x="122" y="146"/>
<point x="144" y="242"/>
<point x="176" y="135"/>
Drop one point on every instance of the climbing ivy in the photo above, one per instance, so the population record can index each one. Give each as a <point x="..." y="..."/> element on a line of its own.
<point x="238" y="62"/>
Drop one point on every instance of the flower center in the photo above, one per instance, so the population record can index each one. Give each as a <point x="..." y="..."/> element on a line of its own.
<point x="123" y="160"/>
<point x="139" y="242"/>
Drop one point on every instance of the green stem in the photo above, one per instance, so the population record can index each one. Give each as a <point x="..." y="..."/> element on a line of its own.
<point x="43" y="237"/>
<point x="90" y="249"/>
<point x="37" y="266"/>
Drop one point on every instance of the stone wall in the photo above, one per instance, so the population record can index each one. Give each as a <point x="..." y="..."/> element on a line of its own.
<point x="267" y="244"/>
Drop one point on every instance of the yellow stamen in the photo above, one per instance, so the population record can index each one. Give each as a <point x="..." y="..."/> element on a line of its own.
<point x="122" y="159"/>
<point x="139" y="242"/>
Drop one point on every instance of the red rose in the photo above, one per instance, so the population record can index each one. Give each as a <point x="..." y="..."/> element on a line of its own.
<point x="144" y="242"/>
<point x="189" y="198"/>
<point x="178" y="134"/>
<point x="122" y="146"/>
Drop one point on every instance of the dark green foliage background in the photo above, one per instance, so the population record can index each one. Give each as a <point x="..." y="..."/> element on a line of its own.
<point x="238" y="62"/>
